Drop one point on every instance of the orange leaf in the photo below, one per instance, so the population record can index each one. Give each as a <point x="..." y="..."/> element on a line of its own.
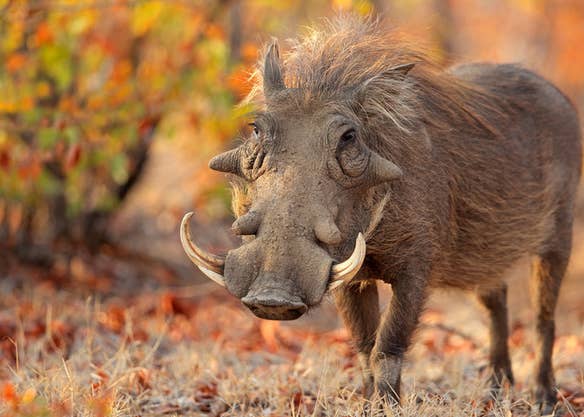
<point x="44" y="34"/>
<point x="102" y="406"/>
<point x="214" y="32"/>
<point x="15" y="62"/>
<point x="249" y="52"/>
<point x="122" y="70"/>
<point x="30" y="169"/>
<point x="239" y="82"/>
<point x="142" y="378"/>
<point x="67" y="104"/>
<point x="268" y="330"/>
<point x="9" y="393"/>
<point x="114" y="319"/>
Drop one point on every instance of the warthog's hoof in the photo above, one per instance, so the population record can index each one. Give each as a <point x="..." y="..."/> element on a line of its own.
<point x="545" y="402"/>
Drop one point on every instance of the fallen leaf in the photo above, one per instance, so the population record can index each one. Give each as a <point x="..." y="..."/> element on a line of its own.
<point x="268" y="330"/>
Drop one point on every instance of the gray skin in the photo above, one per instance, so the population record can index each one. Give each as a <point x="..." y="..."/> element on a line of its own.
<point x="484" y="172"/>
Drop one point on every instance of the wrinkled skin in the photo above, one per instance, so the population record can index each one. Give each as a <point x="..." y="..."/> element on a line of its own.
<point x="453" y="177"/>
<point x="299" y="213"/>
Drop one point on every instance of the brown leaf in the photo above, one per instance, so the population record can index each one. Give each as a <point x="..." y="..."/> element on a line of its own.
<point x="114" y="319"/>
<point x="35" y="329"/>
<point x="171" y="304"/>
<point x="139" y="334"/>
<point x="4" y="159"/>
<point x="206" y="391"/>
<point x="297" y="399"/>
<point x="100" y="378"/>
<point x="141" y="379"/>
<point x="517" y="337"/>
<point x="61" y="335"/>
<point x="72" y="158"/>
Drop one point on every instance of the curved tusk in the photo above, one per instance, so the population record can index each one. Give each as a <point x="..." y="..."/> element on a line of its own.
<point x="345" y="271"/>
<point x="209" y="264"/>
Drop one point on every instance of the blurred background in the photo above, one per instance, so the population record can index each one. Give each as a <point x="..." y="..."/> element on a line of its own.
<point x="110" y="110"/>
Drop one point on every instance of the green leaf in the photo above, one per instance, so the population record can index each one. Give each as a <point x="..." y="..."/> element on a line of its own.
<point x="48" y="137"/>
<point x="108" y="203"/>
<point x="56" y="61"/>
<point x="71" y="134"/>
<point x="48" y="184"/>
<point x="32" y="116"/>
<point x="119" y="168"/>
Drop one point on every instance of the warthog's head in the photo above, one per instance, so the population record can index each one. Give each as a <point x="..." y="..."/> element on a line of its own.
<point x="305" y="170"/>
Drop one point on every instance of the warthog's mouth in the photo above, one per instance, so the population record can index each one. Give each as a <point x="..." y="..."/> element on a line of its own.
<point x="272" y="304"/>
<point x="213" y="265"/>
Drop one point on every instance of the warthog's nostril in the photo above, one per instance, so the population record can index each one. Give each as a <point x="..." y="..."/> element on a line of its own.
<point x="274" y="308"/>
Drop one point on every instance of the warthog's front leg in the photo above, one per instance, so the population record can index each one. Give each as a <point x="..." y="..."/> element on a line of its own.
<point x="359" y="306"/>
<point x="394" y="334"/>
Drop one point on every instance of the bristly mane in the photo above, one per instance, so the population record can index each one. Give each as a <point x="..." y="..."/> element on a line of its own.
<point x="350" y="52"/>
<point x="349" y="62"/>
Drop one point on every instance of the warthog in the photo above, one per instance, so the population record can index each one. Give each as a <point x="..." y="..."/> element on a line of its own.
<point x="362" y="150"/>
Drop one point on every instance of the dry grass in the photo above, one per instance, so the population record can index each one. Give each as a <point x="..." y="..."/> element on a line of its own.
<point x="195" y="351"/>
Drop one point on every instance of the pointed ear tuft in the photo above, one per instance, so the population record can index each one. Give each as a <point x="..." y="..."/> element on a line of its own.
<point x="273" y="79"/>
<point x="399" y="72"/>
<point x="403" y="69"/>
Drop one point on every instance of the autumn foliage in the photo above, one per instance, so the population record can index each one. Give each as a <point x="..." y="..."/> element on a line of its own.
<point x="84" y="91"/>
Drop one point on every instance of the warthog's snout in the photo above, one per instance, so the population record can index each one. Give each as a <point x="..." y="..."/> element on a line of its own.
<point x="271" y="284"/>
<point x="274" y="304"/>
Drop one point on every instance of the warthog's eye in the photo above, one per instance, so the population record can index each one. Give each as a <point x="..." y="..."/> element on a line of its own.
<point x="255" y="130"/>
<point x="350" y="155"/>
<point x="348" y="137"/>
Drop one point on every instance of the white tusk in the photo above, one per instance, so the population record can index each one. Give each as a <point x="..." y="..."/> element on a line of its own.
<point x="335" y="284"/>
<point x="218" y="278"/>
<point x="345" y="271"/>
<point x="209" y="264"/>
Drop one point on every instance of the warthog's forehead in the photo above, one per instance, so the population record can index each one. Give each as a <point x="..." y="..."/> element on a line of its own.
<point x="302" y="141"/>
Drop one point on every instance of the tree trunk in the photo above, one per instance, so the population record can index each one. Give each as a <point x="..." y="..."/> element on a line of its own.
<point x="235" y="32"/>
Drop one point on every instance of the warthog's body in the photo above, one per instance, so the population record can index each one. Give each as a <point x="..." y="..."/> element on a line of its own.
<point x="473" y="200"/>
<point x="453" y="176"/>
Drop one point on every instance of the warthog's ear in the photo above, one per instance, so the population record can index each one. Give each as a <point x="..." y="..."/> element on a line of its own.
<point x="273" y="79"/>
<point x="391" y="74"/>
<point x="375" y="169"/>
<point x="382" y="170"/>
